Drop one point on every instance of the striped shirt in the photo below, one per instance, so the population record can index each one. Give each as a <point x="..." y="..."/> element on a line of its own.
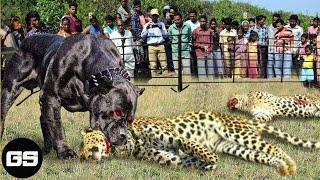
<point x="286" y="37"/>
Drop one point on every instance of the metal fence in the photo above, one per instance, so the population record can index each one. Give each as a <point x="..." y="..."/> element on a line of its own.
<point x="278" y="62"/>
<point x="233" y="65"/>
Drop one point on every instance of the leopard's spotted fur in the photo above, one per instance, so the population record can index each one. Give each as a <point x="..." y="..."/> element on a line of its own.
<point x="264" y="106"/>
<point x="193" y="139"/>
<point x="95" y="145"/>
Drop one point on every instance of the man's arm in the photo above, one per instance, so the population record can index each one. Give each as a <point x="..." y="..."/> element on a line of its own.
<point x="144" y="32"/>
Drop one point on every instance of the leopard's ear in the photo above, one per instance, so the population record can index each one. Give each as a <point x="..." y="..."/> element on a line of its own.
<point x="83" y="132"/>
<point x="86" y="130"/>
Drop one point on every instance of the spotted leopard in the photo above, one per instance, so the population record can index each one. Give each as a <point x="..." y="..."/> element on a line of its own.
<point x="264" y="106"/>
<point x="193" y="139"/>
<point x="95" y="145"/>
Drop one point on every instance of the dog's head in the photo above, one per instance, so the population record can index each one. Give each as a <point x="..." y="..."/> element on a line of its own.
<point x="112" y="107"/>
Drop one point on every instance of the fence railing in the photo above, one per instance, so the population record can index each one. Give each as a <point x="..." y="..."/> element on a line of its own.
<point x="235" y="61"/>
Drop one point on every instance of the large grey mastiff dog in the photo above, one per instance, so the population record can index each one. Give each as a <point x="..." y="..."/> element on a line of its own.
<point x="79" y="73"/>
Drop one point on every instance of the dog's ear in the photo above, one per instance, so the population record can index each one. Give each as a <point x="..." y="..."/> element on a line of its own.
<point x="139" y="91"/>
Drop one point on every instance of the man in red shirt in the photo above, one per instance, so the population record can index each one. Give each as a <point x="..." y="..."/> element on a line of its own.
<point x="284" y="39"/>
<point x="75" y="23"/>
<point x="202" y="40"/>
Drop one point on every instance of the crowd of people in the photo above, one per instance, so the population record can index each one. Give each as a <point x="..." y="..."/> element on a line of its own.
<point x="247" y="49"/>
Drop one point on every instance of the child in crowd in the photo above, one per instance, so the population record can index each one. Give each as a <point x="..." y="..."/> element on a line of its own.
<point x="307" y="73"/>
<point x="253" y="55"/>
<point x="241" y="55"/>
<point x="302" y="52"/>
<point x="231" y="50"/>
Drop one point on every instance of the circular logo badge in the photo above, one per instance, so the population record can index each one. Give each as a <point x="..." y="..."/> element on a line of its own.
<point x="22" y="158"/>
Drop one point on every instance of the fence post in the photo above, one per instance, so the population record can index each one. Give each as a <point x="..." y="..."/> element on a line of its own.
<point x="233" y="60"/>
<point x="179" y="63"/>
<point x="122" y="44"/>
<point x="282" y="64"/>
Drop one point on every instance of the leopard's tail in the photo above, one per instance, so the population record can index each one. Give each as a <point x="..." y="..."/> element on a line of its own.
<point x="264" y="128"/>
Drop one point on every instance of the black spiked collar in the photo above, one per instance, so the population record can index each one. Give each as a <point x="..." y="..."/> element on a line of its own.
<point x="111" y="74"/>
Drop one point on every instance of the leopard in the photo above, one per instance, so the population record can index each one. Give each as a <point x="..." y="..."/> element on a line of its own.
<point x="195" y="138"/>
<point x="264" y="106"/>
<point x="95" y="145"/>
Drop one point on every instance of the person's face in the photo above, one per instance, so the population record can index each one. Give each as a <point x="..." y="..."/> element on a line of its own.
<point x="275" y="19"/>
<point x="109" y="23"/>
<point x="93" y="22"/>
<point x="65" y="25"/>
<point x="213" y="25"/>
<point x="120" y="26"/>
<point x="34" y="22"/>
<point x="246" y="26"/>
<point x="193" y="17"/>
<point x="123" y="2"/>
<point x="73" y="10"/>
<point x="203" y="23"/>
<point x="154" y="17"/>
<point x="254" y="38"/>
<point x="293" y="22"/>
<point x="279" y="26"/>
<point x="261" y="22"/>
<point x="240" y="34"/>
<point x="171" y="13"/>
<point x="303" y="40"/>
<point x="223" y="25"/>
<point x="251" y="23"/>
<point x="137" y="8"/>
<point x="16" y="24"/>
<point x="177" y="20"/>
<point x="315" y="23"/>
<point x="308" y="51"/>
<point x="228" y="27"/>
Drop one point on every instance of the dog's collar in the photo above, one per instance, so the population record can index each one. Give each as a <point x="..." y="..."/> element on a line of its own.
<point x="110" y="73"/>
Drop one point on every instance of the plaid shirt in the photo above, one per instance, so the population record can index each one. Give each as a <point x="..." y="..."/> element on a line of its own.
<point x="202" y="37"/>
<point x="262" y="33"/>
<point x="34" y="31"/>
<point x="286" y="37"/>
<point x="136" y="26"/>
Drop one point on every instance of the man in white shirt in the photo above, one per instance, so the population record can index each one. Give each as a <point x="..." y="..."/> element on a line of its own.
<point x="193" y="21"/>
<point x="155" y="32"/>
<point x="124" y="41"/>
<point x="297" y="32"/>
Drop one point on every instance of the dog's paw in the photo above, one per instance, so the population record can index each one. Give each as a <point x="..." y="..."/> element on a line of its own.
<point x="68" y="154"/>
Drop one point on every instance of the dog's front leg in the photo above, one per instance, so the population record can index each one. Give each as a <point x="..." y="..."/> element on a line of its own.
<point x="51" y="112"/>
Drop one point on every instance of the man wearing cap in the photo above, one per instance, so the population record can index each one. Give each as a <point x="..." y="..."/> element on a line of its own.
<point x="155" y="32"/>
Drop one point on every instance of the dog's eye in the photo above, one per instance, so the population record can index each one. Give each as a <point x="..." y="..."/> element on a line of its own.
<point x="117" y="113"/>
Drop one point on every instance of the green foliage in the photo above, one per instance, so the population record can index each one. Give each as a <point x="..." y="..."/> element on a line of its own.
<point x="52" y="11"/>
<point x="20" y="8"/>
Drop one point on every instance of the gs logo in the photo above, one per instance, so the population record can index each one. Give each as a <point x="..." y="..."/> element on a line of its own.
<point x="22" y="158"/>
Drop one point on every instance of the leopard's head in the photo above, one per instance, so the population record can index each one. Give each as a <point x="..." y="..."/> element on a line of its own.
<point x="238" y="102"/>
<point x="95" y="144"/>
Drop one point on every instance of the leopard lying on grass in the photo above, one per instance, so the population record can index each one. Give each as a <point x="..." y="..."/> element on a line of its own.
<point x="264" y="106"/>
<point x="193" y="139"/>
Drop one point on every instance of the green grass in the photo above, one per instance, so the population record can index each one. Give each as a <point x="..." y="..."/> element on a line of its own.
<point x="23" y="121"/>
